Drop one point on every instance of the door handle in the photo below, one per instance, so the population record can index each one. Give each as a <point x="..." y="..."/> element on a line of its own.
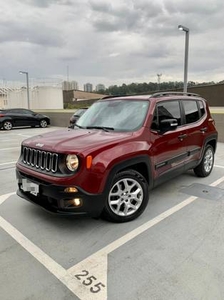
<point x="182" y="136"/>
<point x="204" y="129"/>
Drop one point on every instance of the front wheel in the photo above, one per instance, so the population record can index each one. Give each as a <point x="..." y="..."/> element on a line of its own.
<point x="43" y="123"/>
<point x="7" y="125"/>
<point x="127" y="198"/>
<point x="206" y="165"/>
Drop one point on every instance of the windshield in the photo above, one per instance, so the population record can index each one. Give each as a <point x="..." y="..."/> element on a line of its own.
<point x="80" y="112"/>
<point x="118" y="115"/>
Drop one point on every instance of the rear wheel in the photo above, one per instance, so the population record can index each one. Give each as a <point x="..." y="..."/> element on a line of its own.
<point x="206" y="165"/>
<point x="127" y="198"/>
<point x="7" y="125"/>
<point x="43" y="123"/>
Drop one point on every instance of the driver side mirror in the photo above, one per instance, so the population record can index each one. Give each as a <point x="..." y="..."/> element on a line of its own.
<point x="168" y="124"/>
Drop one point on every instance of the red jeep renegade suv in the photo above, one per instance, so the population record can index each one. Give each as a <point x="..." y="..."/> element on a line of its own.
<point x="118" y="150"/>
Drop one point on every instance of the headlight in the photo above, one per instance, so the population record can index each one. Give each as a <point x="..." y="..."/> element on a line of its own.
<point x="72" y="162"/>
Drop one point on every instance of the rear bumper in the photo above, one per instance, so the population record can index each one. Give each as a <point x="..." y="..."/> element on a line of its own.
<point x="54" y="199"/>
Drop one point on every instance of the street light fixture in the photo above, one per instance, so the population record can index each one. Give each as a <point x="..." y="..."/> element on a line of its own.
<point x="27" y="87"/>
<point x="183" y="28"/>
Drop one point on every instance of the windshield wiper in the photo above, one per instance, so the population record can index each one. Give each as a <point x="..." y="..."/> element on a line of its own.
<point x="100" y="127"/>
<point x="78" y="126"/>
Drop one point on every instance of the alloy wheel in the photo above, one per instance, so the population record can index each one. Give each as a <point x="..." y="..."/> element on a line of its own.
<point x="125" y="197"/>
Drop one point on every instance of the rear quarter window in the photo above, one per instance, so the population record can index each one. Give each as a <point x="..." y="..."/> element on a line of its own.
<point x="201" y="108"/>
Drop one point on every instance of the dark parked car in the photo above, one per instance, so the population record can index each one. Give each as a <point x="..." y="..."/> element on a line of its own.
<point x="120" y="149"/>
<point x="15" y="117"/>
<point x="79" y="112"/>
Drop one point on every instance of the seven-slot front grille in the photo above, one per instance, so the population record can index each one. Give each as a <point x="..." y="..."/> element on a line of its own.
<point x="43" y="160"/>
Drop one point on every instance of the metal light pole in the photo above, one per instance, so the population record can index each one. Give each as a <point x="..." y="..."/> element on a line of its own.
<point x="159" y="75"/>
<point x="27" y="87"/>
<point x="183" y="28"/>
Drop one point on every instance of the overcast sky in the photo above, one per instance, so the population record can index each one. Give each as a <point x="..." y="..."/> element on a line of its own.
<point x="111" y="42"/>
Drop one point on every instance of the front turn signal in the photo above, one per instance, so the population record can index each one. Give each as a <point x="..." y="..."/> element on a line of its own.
<point x="89" y="161"/>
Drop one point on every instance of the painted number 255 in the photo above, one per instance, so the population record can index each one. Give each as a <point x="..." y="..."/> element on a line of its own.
<point x="89" y="281"/>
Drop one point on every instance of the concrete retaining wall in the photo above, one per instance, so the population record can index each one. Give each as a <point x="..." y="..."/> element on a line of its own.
<point x="59" y="118"/>
<point x="219" y="123"/>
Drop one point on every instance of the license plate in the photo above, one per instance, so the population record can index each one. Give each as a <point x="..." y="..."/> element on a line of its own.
<point x="28" y="186"/>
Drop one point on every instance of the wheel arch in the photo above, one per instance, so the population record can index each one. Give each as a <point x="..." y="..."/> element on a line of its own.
<point x="141" y="164"/>
<point x="210" y="141"/>
<point x="213" y="143"/>
<point x="8" y="119"/>
<point x="47" y="120"/>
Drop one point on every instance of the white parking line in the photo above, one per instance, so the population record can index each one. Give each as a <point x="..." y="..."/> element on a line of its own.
<point x="42" y="257"/>
<point x="5" y="197"/>
<point x="8" y="163"/>
<point x="218" y="166"/>
<point x="7" y="149"/>
<point x="24" y="135"/>
<point x="10" y="140"/>
<point x="51" y="265"/>
<point x="88" y="278"/>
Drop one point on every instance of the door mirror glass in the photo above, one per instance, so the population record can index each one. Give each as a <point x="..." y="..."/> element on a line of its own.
<point x="168" y="124"/>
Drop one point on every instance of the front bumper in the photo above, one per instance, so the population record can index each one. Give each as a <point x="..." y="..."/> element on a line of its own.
<point x="54" y="199"/>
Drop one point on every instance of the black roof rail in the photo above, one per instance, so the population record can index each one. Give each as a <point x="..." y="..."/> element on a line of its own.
<point x="113" y="96"/>
<point x="160" y="94"/>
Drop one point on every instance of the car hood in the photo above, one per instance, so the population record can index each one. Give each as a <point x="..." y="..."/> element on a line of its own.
<point x="41" y="116"/>
<point x="76" y="140"/>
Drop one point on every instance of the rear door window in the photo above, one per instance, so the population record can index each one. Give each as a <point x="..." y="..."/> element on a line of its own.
<point x="191" y="111"/>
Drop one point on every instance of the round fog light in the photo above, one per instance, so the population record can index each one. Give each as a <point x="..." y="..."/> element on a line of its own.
<point x="72" y="203"/>
<point x="77" y="202"/>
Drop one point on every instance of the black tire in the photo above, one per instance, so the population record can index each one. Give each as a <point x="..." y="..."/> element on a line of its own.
<point x="127" y="197"/>
<point x="7" y="125"/>
<point x="206" y="165"/>
<point x="43" y="123"/>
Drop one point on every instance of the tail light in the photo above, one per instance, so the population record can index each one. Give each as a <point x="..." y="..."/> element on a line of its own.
<point x="212" y="121"/>
<point x="1" y="115"/>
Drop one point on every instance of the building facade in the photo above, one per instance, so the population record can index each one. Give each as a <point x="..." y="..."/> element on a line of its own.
<point x="39" y="98"/>
<point x="88" y="87"/>
<point x="100" y="87"/>
<point x="4" y="96"/>
<point x="70" y="85"/>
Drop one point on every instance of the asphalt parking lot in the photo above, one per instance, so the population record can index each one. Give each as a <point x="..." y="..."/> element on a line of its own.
<point x="173" y="251"/>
